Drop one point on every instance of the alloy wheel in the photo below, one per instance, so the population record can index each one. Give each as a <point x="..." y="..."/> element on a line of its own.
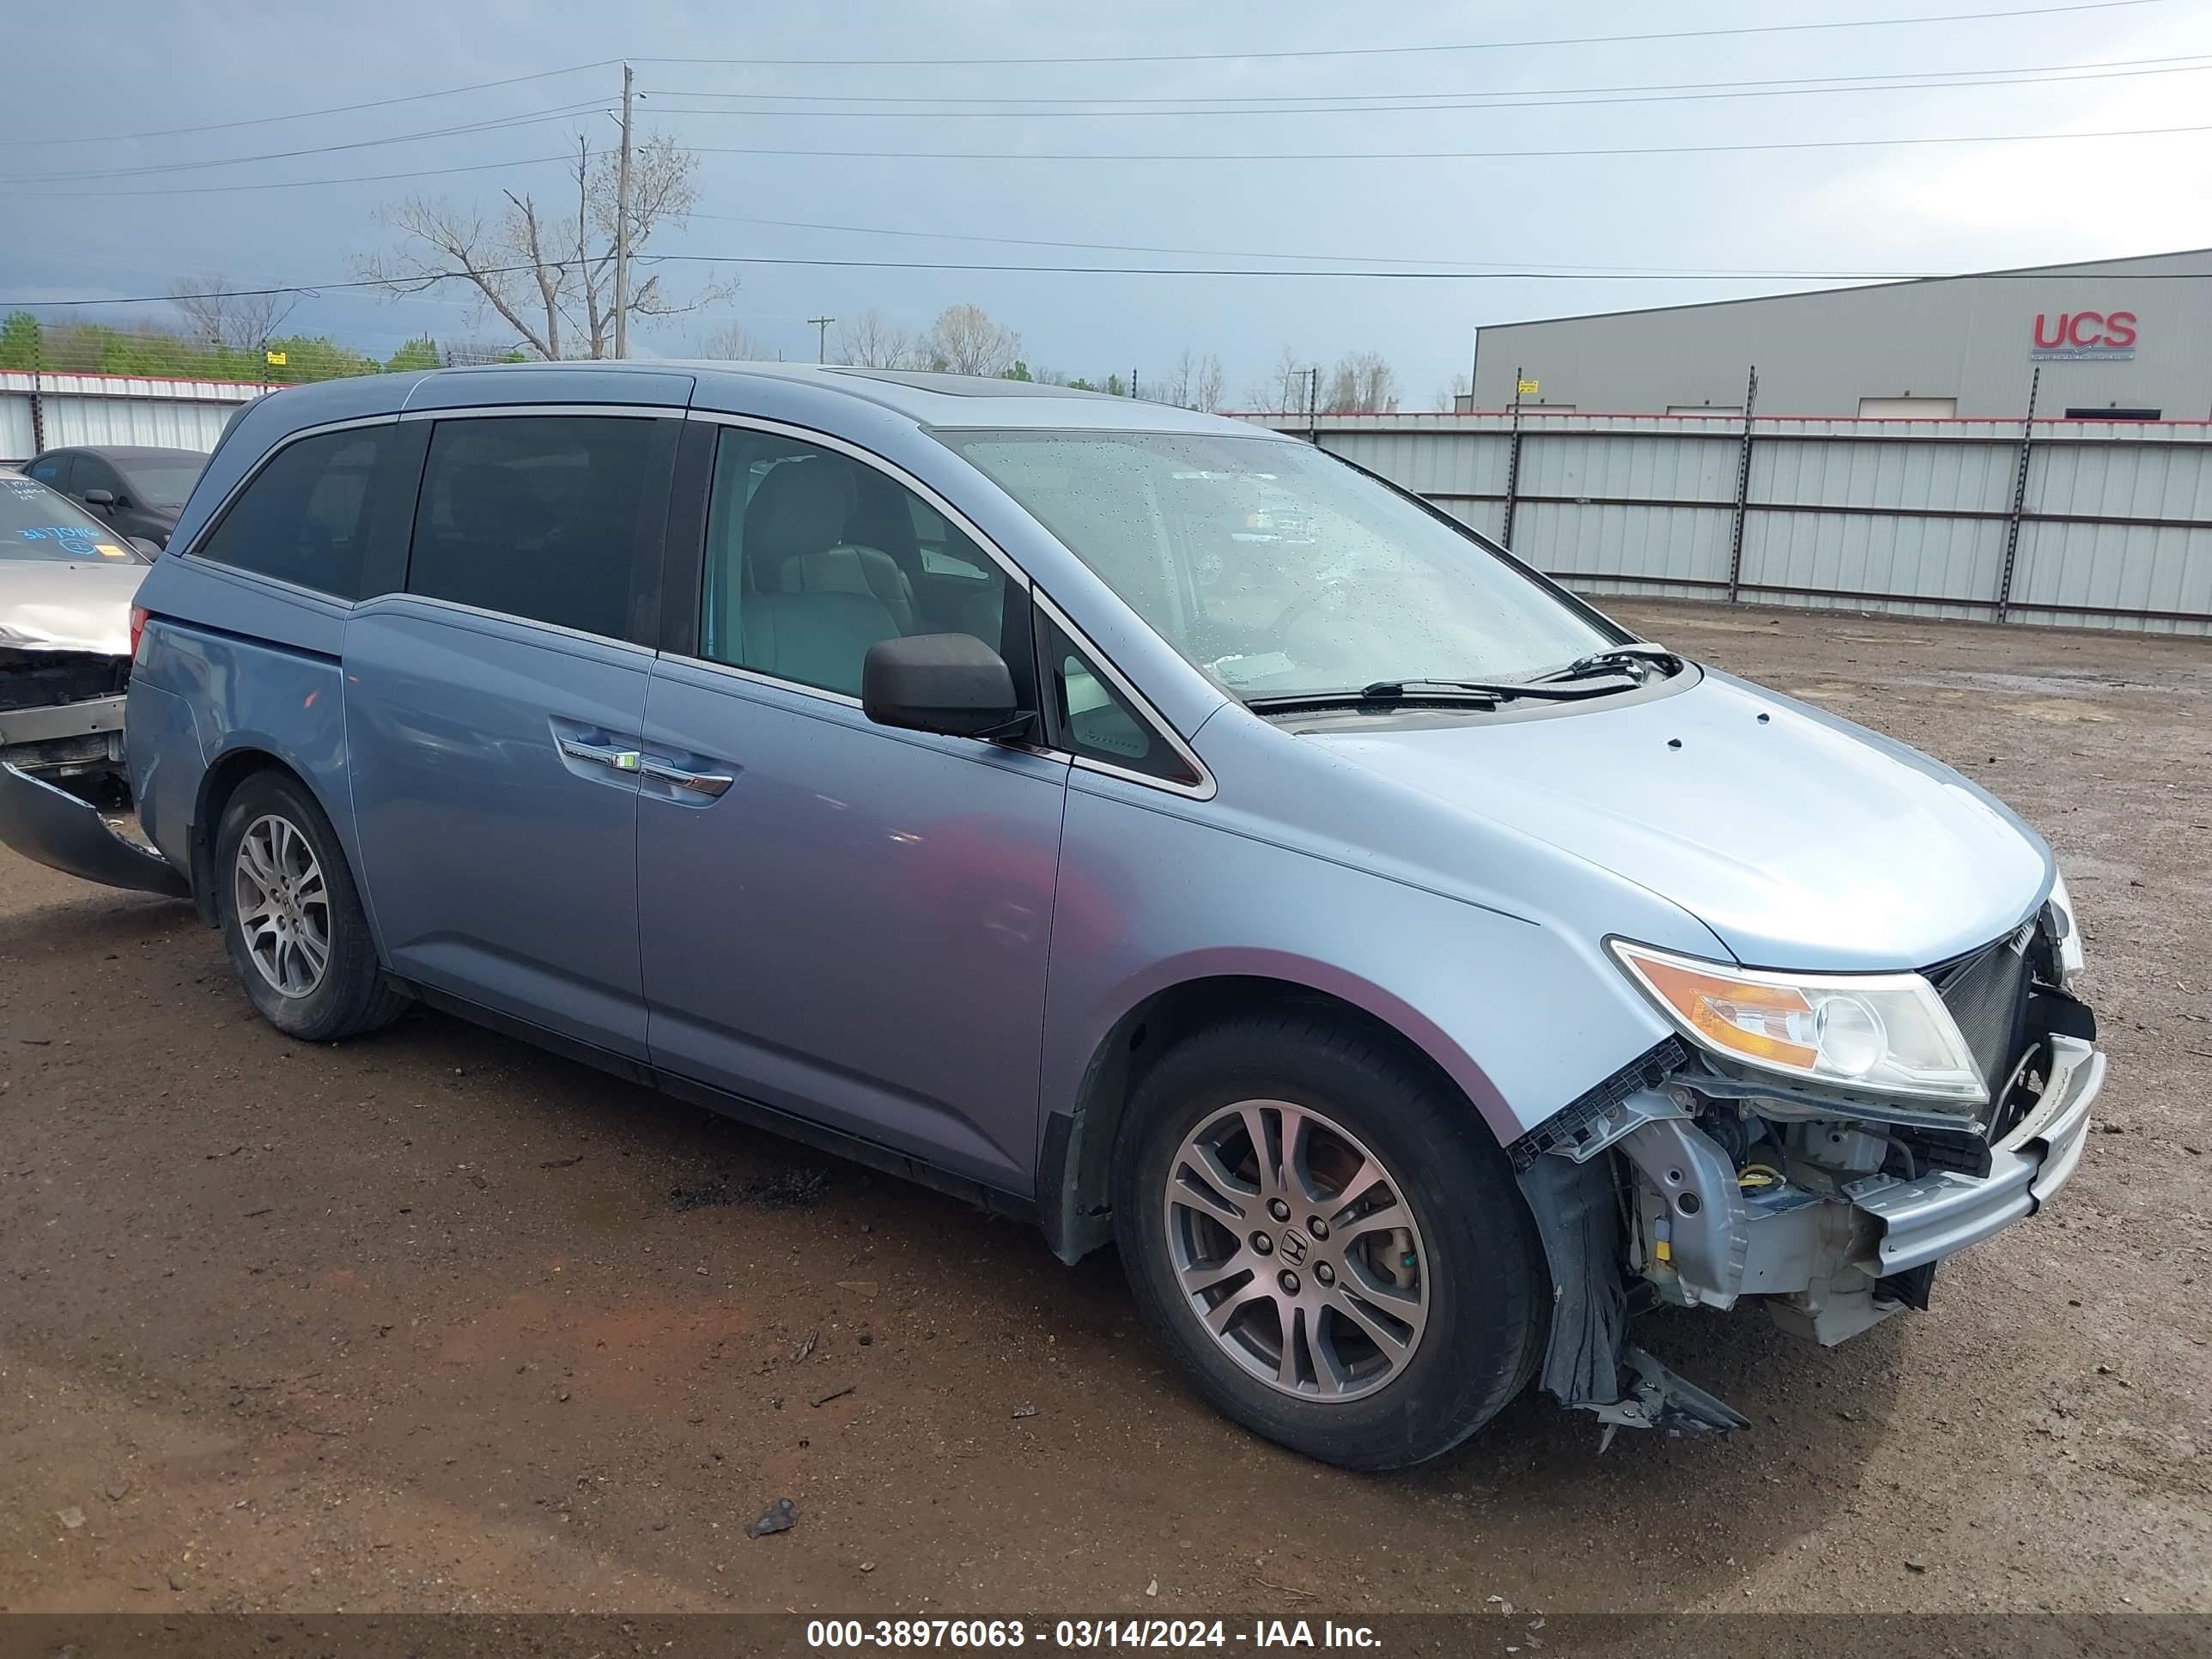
<point x="283" y="906"/>
<point x="1297" y="1250"/>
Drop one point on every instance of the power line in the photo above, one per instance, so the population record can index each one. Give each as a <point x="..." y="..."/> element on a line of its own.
<point x="2195" y="64"/>
<point x="1532" y="274"/>
<point x="1297" y="101"/>
<point x="1444" y="155"/>
<point x="1572" y="98"/>
<point x="304" y="115"/>
<point x="1002" y="155"/>
<point x="1388" y="51"/>
<point x="1232" y="253"/>
<point x="497" y="124"/>
<point x="285" y="184"/>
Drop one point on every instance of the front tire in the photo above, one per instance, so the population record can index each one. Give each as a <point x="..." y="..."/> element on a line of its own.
<point x="291" y="916"/>
<point x="1329" y="1240"/>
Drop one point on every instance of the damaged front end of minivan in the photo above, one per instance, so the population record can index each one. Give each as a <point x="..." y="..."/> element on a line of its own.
<point x="1748" y="1158"/>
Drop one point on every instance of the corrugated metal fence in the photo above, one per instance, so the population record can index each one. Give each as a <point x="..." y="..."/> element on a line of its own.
<point x="44" y="411"/>
<point x="2074" y="523"/>
<point x="2080" y="523"/>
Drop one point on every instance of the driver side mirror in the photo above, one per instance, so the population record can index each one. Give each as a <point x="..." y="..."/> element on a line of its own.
<point x="952" y="683"/>
<point x="100" y="498"/>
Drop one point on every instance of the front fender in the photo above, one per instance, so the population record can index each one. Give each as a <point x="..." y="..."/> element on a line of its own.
<point x="1524" y="1015"/>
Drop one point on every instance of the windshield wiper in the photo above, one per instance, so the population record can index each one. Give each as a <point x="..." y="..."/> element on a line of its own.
<point x="1616" y="659"/>
<point x="1401" y="691"/>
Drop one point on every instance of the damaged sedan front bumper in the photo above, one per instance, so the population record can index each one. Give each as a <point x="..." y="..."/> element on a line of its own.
<point x="51" y="826"/>
<point x="61" y="712"/>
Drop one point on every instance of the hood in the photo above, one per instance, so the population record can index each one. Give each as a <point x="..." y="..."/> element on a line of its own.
<point x="52" y="605"/>
<point x="1801" y="841"/>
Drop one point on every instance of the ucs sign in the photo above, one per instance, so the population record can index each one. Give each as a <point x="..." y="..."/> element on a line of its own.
<point x="2085" y="334"/>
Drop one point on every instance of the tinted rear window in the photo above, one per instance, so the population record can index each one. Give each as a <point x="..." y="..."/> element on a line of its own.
<point x="534" y="516"/>
<point x="305" y="517"/>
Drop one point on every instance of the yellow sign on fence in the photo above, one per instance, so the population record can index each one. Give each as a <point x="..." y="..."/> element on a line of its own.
<point x="1527" y="389"/>
<point x="277" y="359"/>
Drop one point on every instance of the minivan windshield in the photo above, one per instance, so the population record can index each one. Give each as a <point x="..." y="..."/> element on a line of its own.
<point x="1276" y="570"/>
<point x="41" y="523"/>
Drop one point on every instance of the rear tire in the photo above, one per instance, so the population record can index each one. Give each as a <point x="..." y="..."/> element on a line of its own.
<point x="291" y="916"/>
<point x="1404" y="1339"/>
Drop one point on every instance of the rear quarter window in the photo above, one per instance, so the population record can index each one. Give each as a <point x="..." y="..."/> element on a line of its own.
<point x="304" y="517"/>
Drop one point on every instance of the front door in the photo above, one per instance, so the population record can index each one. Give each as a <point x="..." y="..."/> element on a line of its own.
<point x="493" y="713"/>
<point x="842" y="922"/>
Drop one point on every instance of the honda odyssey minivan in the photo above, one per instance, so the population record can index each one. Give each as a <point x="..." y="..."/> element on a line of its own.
<point x="1413" y="973"/>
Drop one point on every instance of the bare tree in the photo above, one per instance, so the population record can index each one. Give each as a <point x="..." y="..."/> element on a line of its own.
<point x="735" y="342"/>
<point x="1360" y="383"/>
<point x="1284" y="390"/>
<point x="548" y="275"/>
<point x="965" y="341"/>
<point x="1194" y="382"/>
<point x="1448" y="397"/>
<point x="1208" y="391"/>
<point x="1174" y="386"/>
<point x="220" y="319"/>
<point x="872" y="341"/>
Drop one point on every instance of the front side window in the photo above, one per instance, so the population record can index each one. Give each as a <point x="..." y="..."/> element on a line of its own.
<point x="91" y="473"/>
<point x="1274" y="569"/>
<point x="534" y="516"/>
<point x="812" y="557"/>
<point x="39" y="525"/>
<point x="304" y="516"/>
<point x="1096" y="721"/>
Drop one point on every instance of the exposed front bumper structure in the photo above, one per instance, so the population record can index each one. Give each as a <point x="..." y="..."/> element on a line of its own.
<point x="52" y="827"/>
<point x="1927" y="1219"/>
<point x="67" y="720"/>
<point x="1796" y="1212"/>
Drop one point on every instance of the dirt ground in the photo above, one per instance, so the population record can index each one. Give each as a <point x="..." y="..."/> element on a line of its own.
<point x="432" y="1322"/>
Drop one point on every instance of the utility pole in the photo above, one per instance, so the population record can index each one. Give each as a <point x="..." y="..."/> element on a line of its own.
<point x="621" y="228"/>
<point x="821" y="337"/>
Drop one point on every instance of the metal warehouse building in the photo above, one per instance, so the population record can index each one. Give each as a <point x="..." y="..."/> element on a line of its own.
<point x="2114" y="339"/>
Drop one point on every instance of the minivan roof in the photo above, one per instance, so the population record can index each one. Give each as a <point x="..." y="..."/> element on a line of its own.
<point x="926" y="398"/>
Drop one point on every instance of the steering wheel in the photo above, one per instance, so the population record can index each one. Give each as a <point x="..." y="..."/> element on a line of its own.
<point x="1297" y="610"/>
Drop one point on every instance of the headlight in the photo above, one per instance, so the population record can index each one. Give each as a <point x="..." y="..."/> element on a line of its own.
<point x="2067" y="927"/>
<point x="1886" y="1034"/>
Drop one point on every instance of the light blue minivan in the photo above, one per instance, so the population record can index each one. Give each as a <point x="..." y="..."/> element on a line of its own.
<point x="1135" y="821"/>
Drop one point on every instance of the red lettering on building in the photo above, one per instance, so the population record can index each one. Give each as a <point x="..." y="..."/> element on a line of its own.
<point x="2085" y="331"/>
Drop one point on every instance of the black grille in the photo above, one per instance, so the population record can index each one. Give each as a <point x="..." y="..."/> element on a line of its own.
<point x="1986" y="991"/>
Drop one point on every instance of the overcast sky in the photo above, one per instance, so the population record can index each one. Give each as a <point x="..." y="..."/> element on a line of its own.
<point x="86" y="75"/>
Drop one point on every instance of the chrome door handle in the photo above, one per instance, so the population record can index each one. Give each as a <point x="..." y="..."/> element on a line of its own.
<point x="709" y="784"/>
<point x="622" y="760"/>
